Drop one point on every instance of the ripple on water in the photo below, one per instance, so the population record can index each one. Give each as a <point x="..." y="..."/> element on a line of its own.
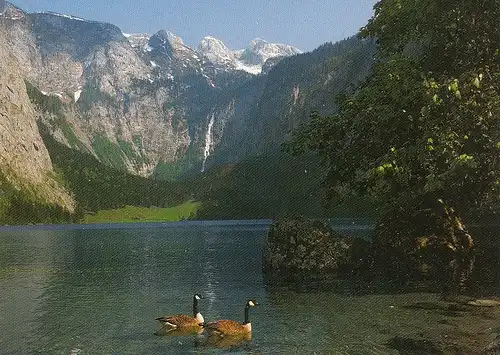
<point x="99" y="292"/>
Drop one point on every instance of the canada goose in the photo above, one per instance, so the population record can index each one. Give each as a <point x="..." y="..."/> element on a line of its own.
<point x="230" y="327"/>
<point x="183" y="320"/>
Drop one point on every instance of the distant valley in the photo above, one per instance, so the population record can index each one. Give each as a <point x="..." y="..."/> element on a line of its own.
<point x="148" y="105"/>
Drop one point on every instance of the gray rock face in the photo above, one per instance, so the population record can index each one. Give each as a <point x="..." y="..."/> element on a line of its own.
<point x="145" y="101"/>
<point x="112" y="90"/>
<point x="24" y="160"/>
<point x="160" y="43"/>
<point x="57" y="33"/>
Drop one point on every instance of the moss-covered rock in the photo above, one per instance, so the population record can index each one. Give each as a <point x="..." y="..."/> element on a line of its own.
<point x="310" y="248"/>
<point x="494" y="347"/>
<point x="425" y="240"/>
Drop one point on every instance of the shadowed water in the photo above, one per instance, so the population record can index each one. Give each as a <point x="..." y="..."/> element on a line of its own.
<point x="98" y="291"/>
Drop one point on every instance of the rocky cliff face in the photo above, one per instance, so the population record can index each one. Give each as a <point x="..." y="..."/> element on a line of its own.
<point x="24" y="160"/>
<point x="151" y="104"/>
<point x="269" y="107"/>
<point x="133" y="101"/>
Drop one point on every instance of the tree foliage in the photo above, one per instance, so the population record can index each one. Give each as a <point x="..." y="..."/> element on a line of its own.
<point x="425" y="124"/>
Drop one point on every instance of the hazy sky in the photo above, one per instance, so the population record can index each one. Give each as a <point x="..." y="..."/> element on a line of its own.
<point x="305" y="24"/>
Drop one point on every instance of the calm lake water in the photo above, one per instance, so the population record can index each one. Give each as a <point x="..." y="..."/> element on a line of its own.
<point x="98" y="291"/>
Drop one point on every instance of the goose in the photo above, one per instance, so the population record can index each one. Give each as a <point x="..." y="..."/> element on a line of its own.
<point x="230" y="327"/>
<point x="183" y="320"/>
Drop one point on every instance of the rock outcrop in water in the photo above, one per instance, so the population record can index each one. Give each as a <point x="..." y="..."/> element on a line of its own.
<point x="494" y="347"/>
<point x="300" y="248"/>
<point x="432" y="243"/>
<point x="424" y="241"/>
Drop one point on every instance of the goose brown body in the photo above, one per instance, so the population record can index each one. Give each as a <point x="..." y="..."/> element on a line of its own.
<point x="180" y="331"/>
<point x="180" y="320"/>
<point x="183" y="320"/>
<point x="228" y="327"/>
<point x="225" y="327"/>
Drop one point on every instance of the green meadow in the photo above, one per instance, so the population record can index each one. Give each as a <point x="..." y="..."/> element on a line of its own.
<point x="144" y="214"/>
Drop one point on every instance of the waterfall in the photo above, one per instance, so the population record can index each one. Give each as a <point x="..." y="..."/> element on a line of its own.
<point x="208" y="141"/>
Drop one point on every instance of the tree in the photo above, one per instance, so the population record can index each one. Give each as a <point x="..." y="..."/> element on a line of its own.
<point x="422" y="133"/>
<point x="425" y="124"/>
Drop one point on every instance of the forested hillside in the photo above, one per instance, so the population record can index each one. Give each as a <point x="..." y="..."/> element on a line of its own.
<point x="425" y="124"/>
<point x="97" y="186"/>
<point x="268" y="107"/>
<point x="421" y="135"/>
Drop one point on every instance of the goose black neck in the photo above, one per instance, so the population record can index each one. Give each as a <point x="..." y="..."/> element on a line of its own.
<point x="247" y="320"/>
<point x="195" y="307"/>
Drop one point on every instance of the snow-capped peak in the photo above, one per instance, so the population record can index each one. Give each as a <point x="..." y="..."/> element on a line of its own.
<point x="174" y="39"/>
<point x="212" y="44"/>
<point x="216" y="51"/>
<point x="259" y="50"/>
<point x="250" y="59"/>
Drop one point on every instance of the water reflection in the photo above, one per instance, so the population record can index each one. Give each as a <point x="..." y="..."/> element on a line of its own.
<point x="99" y="292"/>
<point x="232" y="342"/>
<point x="28" y="262"/>
<point x="179" y="332"/>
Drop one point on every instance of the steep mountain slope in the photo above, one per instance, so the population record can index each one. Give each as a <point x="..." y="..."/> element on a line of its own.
<point x="151" y="105"/>
<point x="26" y="171"/>
<point x="97" y="186"/>
<point x="139" y="103"/>
<point x="264" y="110"/>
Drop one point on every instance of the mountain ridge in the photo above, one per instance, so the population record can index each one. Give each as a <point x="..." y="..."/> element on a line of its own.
<point x="154" y="107"/>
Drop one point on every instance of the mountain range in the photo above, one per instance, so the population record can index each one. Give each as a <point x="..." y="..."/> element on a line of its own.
<point x="149" y="104"/>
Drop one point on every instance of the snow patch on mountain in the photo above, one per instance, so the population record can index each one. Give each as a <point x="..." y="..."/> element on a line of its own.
<point x="137" y="40"/>
<point x="259" y="50"/>
<point x="250" y="59"/>
<point x="65" y="16"/>
<point x="252" y="69"/>
<point x="77" y="95"/>
<point x="216" y="51"/>
<point x="10" y="12"/>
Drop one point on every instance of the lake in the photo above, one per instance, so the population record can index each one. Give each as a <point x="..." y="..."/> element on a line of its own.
<point x="98" y="289"/>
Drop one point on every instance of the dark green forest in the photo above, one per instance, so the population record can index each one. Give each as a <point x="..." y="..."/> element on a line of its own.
<point x="22" y="206"/>
<point x="97" y="186"/>
<point x="425" y="124"/>
<point x="422" y="127"/>
<point x="271" y="186"/>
